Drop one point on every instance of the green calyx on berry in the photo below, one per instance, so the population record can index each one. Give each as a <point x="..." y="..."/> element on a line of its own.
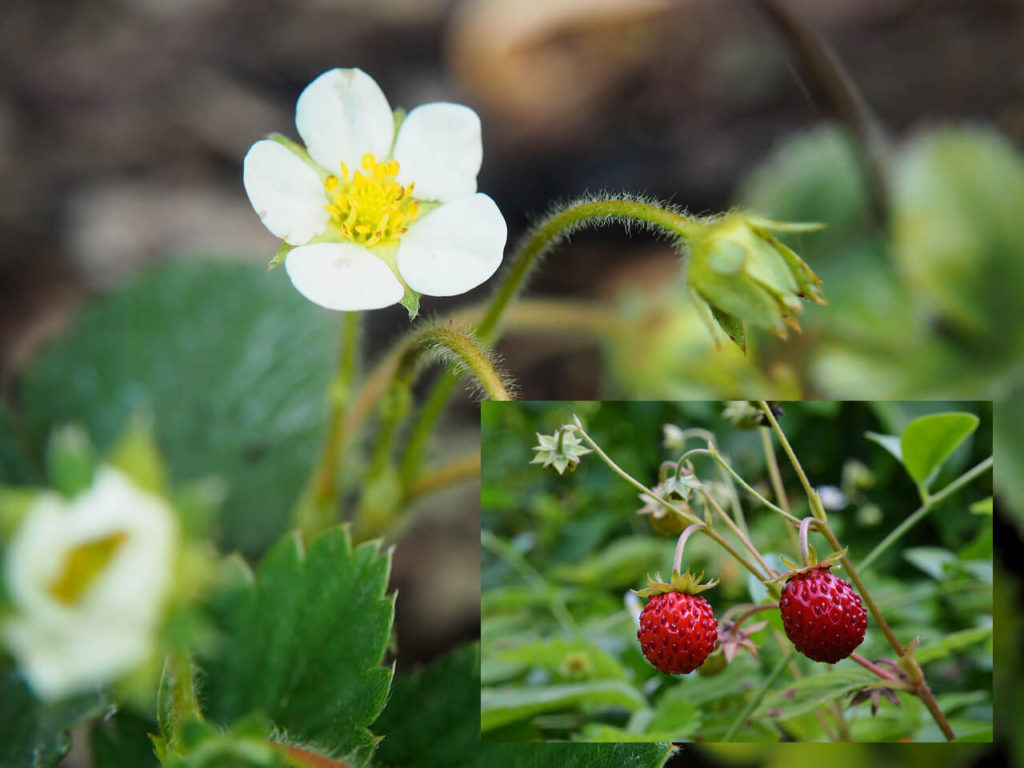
<point x="813" y="564"/>
<point x="686" y="583"/>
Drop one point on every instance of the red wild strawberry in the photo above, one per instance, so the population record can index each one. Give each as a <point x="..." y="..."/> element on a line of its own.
<point x="677" y="631"/>
<point x="823" y="617"/>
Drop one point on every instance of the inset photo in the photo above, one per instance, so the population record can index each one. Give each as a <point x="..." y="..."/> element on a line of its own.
<point x="736" y="571"/>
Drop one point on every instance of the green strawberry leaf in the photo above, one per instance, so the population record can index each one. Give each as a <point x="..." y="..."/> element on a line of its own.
<point x="232" y="364"/>
<point x="303" y="640"/>
<point x="432" y="719"/>
<point x="929" y="440"/>
<point x="122" y="741"/>
<point x="35" y="733"/>
<point x="15" y="467"/>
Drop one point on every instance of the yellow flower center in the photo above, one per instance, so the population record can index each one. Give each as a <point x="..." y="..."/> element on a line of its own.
<point x="370" y="206"/>
<point x="82" y="566"/>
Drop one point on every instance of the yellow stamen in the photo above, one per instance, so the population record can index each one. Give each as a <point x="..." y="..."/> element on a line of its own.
<point x="370" y="206"/>
<point x="83" y="565"/>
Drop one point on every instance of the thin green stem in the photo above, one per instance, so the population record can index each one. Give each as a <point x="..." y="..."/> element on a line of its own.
<point x="713" y="453"/>
<point x="318" y="507"/>
<point x="689" y="517"/>
<point x="921" y="512"/>
<point x="758" y="697"/>
<point x="520" y="565"/>
<point x="776" y="478"/>
<point x="812" y="496"/>
<point x="739" y="534"/>
<point x="548" y="234"/>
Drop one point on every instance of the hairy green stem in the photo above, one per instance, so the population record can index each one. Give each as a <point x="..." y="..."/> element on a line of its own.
<point x="921" y="512"/>
<point x="555" y="228"/>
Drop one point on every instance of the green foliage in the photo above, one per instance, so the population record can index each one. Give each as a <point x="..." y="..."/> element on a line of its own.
<point x="432" y="719"/>
<point x="231" y="365"/>
<point x="302" y="641"/>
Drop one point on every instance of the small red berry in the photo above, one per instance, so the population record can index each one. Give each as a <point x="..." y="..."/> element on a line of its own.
<point x="823" y="617"/>
<point x="677" y="631"/>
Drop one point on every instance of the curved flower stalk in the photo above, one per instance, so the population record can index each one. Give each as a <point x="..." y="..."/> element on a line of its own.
<point x="376" y="209"/>
<point x="88" y="579"/>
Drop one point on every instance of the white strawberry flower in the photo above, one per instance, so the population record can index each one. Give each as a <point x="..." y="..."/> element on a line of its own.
<point x="376" y="218"/>
<point x="88" y="578"/>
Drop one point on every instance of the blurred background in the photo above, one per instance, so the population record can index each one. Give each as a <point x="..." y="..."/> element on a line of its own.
<point x="123" y="124"/>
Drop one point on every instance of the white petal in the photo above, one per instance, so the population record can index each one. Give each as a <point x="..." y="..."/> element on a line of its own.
<point x="453" y="248"/>
<point x="439" y="148"/>
<point x="341" y="116"/>
<point x="285" y="192"/>
<point x="343" y="276"/>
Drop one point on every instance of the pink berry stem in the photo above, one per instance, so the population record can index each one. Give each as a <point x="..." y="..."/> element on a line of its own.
<point x="677" y="561"/>
<point x="871" y="667"/>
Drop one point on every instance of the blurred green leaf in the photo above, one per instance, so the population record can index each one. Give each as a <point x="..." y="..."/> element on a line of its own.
<point x="952" y="643"/>
<point x="928" y="441"/>
<point x="622" y="563"/>
<point x="508" y="704"/>
<point x="433" y="716"/>
<point x="931" y="560"/>
<point x="807" y="694"/>
<point x="891" y="443"/>
<point x="958" y="231"/>
<point x="566" y="659"/>
<point x="982" y="507"/>
<point x="70" y="460"/>
<point x="675" y="715"/>
<point x="34" y="733"/>
<point x="15" y="467"/>
<point x="232" y="364"/>
<point x="303" y="642"/>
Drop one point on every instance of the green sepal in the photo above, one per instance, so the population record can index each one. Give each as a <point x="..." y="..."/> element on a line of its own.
<point x="831" y="561"/>
<point x="733" y="327"/>
<point x="279" y="257"/>
<point x="411" y="302"/>
<point x="685" y="582"/>
<point x="70" y="460"/>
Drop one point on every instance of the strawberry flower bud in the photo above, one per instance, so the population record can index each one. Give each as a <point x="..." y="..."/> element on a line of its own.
<point x="745" y="275"/>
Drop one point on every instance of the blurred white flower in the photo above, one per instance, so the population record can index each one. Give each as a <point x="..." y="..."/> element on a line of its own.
<point x="88" y="578"/>
<point x="372" y="213"/>
<point x="832" y="498"/>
